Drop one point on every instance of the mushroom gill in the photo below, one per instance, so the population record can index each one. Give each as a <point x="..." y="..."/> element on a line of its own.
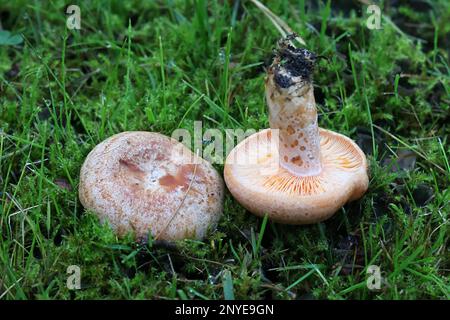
<point x="295" y="171"/>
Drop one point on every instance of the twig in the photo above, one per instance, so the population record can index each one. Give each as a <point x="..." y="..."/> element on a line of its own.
<point x="8" y="289"/>
<point x="281" y="26"/>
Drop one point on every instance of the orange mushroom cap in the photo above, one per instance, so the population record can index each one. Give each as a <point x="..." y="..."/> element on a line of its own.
<point x="255" y="178"/>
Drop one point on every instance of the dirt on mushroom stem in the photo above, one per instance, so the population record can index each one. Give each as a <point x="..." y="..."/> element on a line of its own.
<point x="292" y="109"/>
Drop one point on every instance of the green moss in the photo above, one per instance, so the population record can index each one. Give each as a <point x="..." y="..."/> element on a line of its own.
<point x="390" y="85"/>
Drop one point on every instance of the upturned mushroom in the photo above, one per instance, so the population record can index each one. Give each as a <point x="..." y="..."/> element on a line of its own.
<point x="295" y="172"/>
<point x="145" y="182"/>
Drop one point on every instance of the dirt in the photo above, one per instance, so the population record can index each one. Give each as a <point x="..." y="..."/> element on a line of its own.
<point x="292" y="62"/>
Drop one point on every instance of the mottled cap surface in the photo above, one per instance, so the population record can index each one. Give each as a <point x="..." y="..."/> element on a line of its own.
<point x="145" y="182"/>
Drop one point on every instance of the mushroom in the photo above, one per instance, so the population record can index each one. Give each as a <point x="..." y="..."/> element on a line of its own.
<point x="295" y="172"/>
<point x="147" y="182"/>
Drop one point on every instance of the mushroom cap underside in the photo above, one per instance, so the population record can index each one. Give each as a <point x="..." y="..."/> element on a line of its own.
<point x="147" y="182"/>
<point x="255" y="178"/>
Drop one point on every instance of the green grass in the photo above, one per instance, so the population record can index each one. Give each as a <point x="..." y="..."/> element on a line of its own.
<point x="162" y="65"/>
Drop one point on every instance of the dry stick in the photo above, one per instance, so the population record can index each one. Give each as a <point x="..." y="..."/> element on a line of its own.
<point x="182" y="201"/>
<point x="278" y="23"/>
<point x="9" y="288"/>
<point x="282" y="26"/>
<point x="279" y="28"/>
<point x="276" y="18"/>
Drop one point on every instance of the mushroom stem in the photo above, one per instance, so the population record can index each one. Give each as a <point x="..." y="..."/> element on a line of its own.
<point x="292" y="110"/>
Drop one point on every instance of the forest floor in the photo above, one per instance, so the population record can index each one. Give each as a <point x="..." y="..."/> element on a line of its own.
<point x="161" y="65"/>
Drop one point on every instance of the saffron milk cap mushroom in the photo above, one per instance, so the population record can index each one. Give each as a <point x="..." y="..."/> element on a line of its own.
<point x="147" y="182"/>
<point x="295" y="172"/>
